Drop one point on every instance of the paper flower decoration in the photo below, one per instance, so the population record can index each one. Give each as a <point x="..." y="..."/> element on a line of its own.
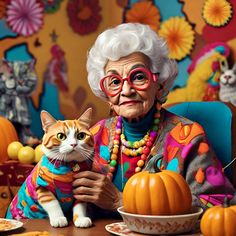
<point x="51" y="6"/>
<point x="179" y="36"/>
<point x="217" y="13"/>
<point x="145" y="13"/>
<point x="25" y="17"/>
<point x="84" y="15"/>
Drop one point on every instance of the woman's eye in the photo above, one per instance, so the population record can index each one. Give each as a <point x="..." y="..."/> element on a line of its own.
<point x="114" y="81"/>
<point x="61" y="136"/>
<point x="81" y="136"/>
<point x="138" y="76"/>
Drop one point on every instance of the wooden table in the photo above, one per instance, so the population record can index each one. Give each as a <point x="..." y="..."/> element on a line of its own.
<point x="98" y="228"/>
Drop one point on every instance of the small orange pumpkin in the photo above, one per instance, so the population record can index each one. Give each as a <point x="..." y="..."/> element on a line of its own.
<point x="7" y="135"/>
<point x="219" y="221"/>
<point x="162" y="193"/>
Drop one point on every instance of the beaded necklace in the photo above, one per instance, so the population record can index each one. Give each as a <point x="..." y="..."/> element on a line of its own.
<point x="141" y="147"/>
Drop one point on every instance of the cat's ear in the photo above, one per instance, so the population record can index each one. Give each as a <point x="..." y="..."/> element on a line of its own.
<point x="86" y="117"/>
<point x="47" y="120"/>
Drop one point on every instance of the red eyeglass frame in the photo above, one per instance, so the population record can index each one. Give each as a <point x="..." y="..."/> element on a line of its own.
<point x="147" y="71"/>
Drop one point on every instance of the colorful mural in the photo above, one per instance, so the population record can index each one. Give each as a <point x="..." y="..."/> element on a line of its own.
<point x="63" y="31"/>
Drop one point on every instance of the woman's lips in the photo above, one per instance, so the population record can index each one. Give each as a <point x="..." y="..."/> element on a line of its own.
<point x="128" y="103"/>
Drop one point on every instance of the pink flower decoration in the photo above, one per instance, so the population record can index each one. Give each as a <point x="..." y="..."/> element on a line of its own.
<point x="25" y="17"/>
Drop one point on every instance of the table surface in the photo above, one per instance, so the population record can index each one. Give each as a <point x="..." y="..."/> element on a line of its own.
<point x="98" y="228"/>
<point x="30" y="225"/>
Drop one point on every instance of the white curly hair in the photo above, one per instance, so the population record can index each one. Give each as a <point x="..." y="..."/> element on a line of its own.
<point x="123" y="40"/>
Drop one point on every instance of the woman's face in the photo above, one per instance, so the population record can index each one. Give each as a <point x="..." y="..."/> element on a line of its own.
<point x="131" y="103"/>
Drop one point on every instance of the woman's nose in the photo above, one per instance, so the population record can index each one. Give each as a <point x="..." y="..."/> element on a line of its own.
<point x="126" y="89"/>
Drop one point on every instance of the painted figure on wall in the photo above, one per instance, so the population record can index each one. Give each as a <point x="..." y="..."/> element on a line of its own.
<point x="17" y="82"/>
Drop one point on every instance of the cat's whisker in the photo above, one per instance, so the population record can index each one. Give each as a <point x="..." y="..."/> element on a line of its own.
<point x="86" y="153"/>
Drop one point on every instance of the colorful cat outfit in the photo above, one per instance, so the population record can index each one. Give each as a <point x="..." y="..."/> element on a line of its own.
<point x="55" y="176"/>
<point x="184" y="148"/>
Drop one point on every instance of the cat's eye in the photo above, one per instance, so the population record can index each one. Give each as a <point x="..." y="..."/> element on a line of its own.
<point x="81" y="136"/>
<point x="61" y="136"/>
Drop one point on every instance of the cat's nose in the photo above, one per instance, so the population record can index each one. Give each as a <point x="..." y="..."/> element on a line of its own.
<point x="73" y="145"/>
<point x="228" y="77"/>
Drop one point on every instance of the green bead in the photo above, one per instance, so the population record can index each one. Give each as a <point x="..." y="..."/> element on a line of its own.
<point x="155" y="128"/>
<point x="113" y="163"/>
<point x="156" y="121"/>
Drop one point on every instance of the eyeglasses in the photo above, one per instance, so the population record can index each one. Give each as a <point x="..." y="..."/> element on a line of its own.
<point x="139" y="79"/>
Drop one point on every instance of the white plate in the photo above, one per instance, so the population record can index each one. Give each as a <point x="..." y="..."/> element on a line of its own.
<point x="120" y="229"/>
<point x="10" y="224"/>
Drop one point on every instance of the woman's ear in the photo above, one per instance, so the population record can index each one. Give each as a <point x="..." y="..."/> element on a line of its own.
<point x="111" y="111"/>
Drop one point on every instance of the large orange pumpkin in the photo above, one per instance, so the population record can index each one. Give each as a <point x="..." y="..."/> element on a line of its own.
<point x="219" y="221"/>
<point x="162" y="193"/>
<point x="7" y="135"/>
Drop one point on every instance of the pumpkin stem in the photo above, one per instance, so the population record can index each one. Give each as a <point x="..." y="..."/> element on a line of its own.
<point x="226" y="202"/>
<point x="152" y="165"/>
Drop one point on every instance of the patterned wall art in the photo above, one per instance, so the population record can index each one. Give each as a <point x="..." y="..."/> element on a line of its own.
<point x="217" y="13"/>
<point x="84" y="15"/>
<point x="24" y="17"/>
<point x="58" y="33"/>
<point x="179" y="35"/>
<point x="144" y="12"/>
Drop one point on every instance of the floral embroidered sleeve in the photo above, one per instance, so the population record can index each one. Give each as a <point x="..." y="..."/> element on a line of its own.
<point x="187" y="151"/>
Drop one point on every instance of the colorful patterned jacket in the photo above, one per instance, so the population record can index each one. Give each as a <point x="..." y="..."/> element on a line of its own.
<point x="185" y="150"/>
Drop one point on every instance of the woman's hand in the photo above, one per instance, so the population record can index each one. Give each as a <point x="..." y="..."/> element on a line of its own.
<point x="97" y="189"/>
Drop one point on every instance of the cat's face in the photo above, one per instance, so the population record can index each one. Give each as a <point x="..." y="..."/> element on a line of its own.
<point x="67" y="140"/>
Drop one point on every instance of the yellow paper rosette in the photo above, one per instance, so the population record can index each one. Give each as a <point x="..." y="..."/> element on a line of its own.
<point x="145" y="13"/>
<point x="179" y="36"/>
<point x="217" y="13"/>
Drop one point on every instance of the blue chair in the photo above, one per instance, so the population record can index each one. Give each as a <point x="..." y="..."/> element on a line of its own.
<point x="219" y="122"/>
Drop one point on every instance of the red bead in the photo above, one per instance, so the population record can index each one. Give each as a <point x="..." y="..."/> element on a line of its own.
<point x="149" y="143"/>
<point x="112" y="169"/>
<point x="143" y="157"/>
<point x="151" y="139"/>
<point x="117" y="137"/>
<point x="146" y="150"/>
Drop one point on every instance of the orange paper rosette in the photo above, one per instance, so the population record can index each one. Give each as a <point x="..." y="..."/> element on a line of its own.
<point x="144" y="12"/>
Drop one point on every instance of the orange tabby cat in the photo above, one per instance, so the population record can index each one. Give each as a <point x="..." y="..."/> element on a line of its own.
<point x="47" y="192"/>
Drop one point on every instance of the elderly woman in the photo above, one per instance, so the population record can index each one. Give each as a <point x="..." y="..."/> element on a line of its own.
<point x="128" y="67"/>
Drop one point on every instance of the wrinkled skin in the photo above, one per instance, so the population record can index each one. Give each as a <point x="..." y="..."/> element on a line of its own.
<point x="97" y="189"/>
<point x="131" y="104"/>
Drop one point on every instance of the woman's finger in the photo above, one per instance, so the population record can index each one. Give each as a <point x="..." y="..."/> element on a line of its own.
<point x="89" y="175"/>
<point x="83" y="182"/>
<point x="86" y="191"/>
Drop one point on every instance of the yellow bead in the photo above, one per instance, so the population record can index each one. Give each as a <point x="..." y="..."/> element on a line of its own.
<point x="116" y="142"/>
<point x="140" y="163"/>
<point x="113" y="157"/>
<point x="140" y="150"/>
<point x="137" y="169"/>
<point x="115" y="150"/>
